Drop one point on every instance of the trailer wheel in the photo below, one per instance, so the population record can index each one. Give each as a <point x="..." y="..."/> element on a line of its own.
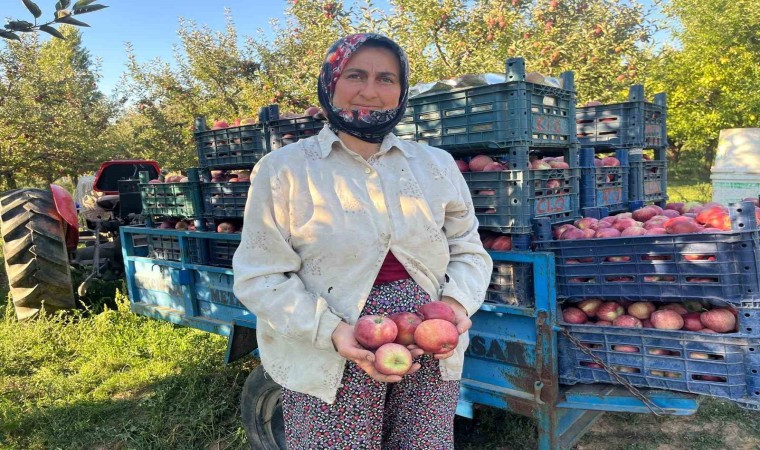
<point x="36" y="259"/>
<point x="261" y="410"/>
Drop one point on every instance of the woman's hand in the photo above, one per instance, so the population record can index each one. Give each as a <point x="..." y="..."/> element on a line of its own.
<point x="461" y="321"/>
<point x="347" y="347"/>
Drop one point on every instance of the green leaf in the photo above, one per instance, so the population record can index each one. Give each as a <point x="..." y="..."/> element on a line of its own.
<point x="52" y="31"/>
<point x="82" y="3"/>
<point x="33" y="8"/>
<point x="71" y="21"/>
<point x="62" y="4"/>
<point x="19" y="25"/>
<point x="9" y="35"/>
<point x="87" y="9"/>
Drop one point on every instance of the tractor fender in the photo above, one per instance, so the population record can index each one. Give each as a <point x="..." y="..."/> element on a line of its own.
<point x="64" y="204"/>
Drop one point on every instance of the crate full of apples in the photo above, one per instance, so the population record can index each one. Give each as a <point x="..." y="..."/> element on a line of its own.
<point x="235" y="145"/>
<point x="173" y="195"/>
<point x="604" y="180"/>
<point x="289" y="128"/>
<point x="225" y="193"/>
<point x="691" y="346"/>
<point x="708" y="251"/>
<point x="432" y="329"/>
<point x="507" y="200"/>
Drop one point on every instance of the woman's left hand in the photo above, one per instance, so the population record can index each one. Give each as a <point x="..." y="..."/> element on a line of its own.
<point x="461" y="321"/>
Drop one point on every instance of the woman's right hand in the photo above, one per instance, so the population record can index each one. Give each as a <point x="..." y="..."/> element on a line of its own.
<point x="347" y="346"/>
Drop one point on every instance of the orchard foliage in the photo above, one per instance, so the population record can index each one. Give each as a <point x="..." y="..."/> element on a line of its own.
<point x="712" y="78"/>
<point x="52" y="117"/>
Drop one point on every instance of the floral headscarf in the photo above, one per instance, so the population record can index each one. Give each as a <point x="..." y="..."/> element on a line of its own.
<point x="369" y="126"/>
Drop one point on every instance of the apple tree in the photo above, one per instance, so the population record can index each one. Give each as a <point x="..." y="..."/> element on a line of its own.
<point x="52" y="116"/>
<point x="711" y="75"/>
<point x="62" y="15"/>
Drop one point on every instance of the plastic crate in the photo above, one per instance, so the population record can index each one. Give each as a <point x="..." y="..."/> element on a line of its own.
<point x="722" y="266"/>
<point x="167" y="248"/>
<point x="604" y="186"/>
<point x="220" y="252"/>
<point x="511" y="284"/>
<point x="494" y="116"/>
<point x="287" y="131"/>
<point x="231" y="148"/>
<point x="691" y="359"/>
<point x="648" y="180"/>
<point x="171" y="199"/>
<point x="519" y="196"/>
<point x="225" y="200"/>
<point x="632" y="124"/>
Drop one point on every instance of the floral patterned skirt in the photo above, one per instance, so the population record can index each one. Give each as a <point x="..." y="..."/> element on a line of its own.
<point x="415" y="413"/>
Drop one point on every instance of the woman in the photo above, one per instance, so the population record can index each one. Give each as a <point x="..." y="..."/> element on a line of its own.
<point x="355" y="221"/>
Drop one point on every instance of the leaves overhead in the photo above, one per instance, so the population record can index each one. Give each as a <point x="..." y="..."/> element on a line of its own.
<point x="61" y="15"/>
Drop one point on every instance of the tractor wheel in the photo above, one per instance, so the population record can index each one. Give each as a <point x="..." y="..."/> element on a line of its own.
<point x="261" y="411"/>
<point x="36" y="259"/>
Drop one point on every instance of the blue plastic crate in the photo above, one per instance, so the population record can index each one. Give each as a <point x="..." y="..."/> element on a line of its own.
<point x="515" y="113"/>
<point x="648" y="179"/>
<point x="172" y="199"/>
<point x="691" y="359"/>
<point x="632" y="124"/>
<point x="231" y="148"/>
<point x="220" y="252"/>
<point x="225" y="200"/>
<point x="604" y="186"/>
<point x="519" y="196"/>
<point x="287" y="131"/>
<point x="511" y="284"/>
<point x="167" y="248"/>
<point x="721" y="266"/>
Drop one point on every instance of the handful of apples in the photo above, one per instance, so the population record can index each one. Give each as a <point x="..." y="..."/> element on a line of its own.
<point x="432" y="329"/>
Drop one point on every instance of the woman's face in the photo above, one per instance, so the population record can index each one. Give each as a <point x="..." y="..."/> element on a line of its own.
<point x="370" y="80"/>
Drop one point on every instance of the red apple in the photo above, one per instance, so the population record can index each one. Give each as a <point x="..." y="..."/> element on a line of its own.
<point x="479" y="162"/>
<point x="540" y="165"/>
<point x="677" y="307"/>
<point x="609" y="311"/>
<point x="571" y="234"/>
<point x="493" y="167"/>
<point x="437" y="310"/>
<point x="644" y="214"/>
<point x="603" y="323"/>
<point x="462" y="166"/>
<point x="691" y="321"/>
<point x="625" y="348"/>
<point x="641" y="310"/>
<point x="625" y="222"/>
<point x="587" y="222"/>
<point x="558" y="230"/>
<point x="219" y="124"/>
<point x="646" y="323"/>
<point x="393" y="359"/>
<point x="720" y="320"/>
<point x="590" y="306"/>
<point x="666" y="319"/>
<point x="372" y="331"/>
<point x="502" y="243"/>
<point x="634" y="231"/>
<point x="436" y="336"/>
<point x="607" y="233"/>
<point x="627" y="321"/>
<point x="406" y="323"/>
<point x="610" y="161"/>
<point x="656" y="231"/>
<point x="676" y="206"/>
<point x="574" y="315"/>
<point x="669" y="213"/>
<point x="226" y="227"/>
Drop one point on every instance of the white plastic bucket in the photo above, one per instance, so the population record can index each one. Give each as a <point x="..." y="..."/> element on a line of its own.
<point x="738" y="151"/>
<point x="734" y="187"/>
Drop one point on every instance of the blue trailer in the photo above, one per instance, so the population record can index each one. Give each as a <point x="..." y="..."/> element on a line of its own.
<point x="512" y="362"/>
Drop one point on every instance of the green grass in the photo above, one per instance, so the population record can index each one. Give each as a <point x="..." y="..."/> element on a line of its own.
<point x="686" y="191"/>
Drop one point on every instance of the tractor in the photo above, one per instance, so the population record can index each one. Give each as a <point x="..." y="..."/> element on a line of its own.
<point x="45" y="234"/>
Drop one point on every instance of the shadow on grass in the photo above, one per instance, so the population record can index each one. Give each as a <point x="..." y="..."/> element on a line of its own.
<point x="195" y="409"/>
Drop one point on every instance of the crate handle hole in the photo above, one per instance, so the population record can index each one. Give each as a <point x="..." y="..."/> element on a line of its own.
<point x="749" y="330"/>
<point x="706" y="377"/>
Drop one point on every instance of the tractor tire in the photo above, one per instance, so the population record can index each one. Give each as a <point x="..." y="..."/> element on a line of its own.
<point x="261" y="411"/>
<point x="36" y="259"/>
